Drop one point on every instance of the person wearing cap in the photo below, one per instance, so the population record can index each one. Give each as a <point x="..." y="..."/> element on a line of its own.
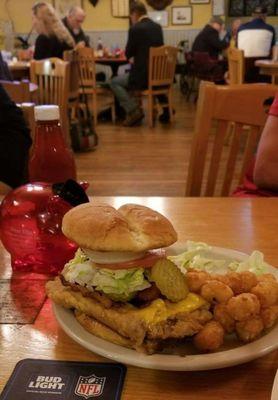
<point x="209" y="41"/>
<point x="256" y="38"/>
<point x="73" y="22"/>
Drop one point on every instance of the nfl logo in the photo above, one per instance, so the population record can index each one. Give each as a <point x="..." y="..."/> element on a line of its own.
<point x="89" y="386"/>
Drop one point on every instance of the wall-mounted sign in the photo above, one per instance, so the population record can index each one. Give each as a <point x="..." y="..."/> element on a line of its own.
<point x="120" y="8"/>
<point x="182" y="15"/>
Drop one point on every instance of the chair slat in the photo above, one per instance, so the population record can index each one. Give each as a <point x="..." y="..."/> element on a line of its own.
<point x="216" y="156"/>
<point x="231" y="163"/>
<point x="251" y="143"/>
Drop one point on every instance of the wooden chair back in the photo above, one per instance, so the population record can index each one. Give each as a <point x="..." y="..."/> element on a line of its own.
<point x="236" y="66"/>
<point x="215" y="168"/>
<point x="97" y="98"/>
<point x="162" y="66"/>
<point x="87" y="67"/>
<point x="71" y="57"/>
<point x="19" y="92"/>
<point x="52" y="77"/>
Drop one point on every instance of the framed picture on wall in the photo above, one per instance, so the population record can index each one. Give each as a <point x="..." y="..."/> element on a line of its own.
<point x="160" y="17"/>
<point x="218" y="7"/>
<point x="199" y="1"/>
<point x="182" y="15"/>
<point x="63" y="6"/>
<point x="120" y="8"/>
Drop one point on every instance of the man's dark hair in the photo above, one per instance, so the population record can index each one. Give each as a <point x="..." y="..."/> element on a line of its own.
<point x="138" y="8"/>
<point x="259" y="11"/>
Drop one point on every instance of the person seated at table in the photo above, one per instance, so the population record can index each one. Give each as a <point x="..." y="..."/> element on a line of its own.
<point x="256" y="38"/>
<point x="73" y="22"/>
<point x="54" y="38"/>
<point x="209" y="41"/>
<point x="261" y="178"/>
<point x="143" y="34"/>
<point x="15" y="142"/>
<point x="207" y="59"/>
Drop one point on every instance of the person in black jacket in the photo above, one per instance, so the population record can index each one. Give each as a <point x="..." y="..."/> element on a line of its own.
<point x="15" y="142"/>
<point x="208" y="40"/>
<point x="73" y="22"/>
<point x="143" y="34"/>
<point x="54" y="38"/>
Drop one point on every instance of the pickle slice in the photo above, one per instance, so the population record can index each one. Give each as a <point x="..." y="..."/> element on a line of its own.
<point x="169" y="280"/>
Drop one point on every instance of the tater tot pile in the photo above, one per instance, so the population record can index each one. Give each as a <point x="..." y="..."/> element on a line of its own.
<point x="241" y="303"/>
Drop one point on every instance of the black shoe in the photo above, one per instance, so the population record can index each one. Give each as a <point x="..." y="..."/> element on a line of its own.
<point x="134" y="117"/>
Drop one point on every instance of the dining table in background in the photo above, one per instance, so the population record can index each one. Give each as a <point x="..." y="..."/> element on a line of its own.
<point x="113" y="62"/>
<point x="241" y="224"/>
<point x="269" y="67"/>
<point x="19" y="69"/>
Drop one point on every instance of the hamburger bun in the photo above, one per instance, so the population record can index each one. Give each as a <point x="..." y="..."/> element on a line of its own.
<point x="133" y="228"/>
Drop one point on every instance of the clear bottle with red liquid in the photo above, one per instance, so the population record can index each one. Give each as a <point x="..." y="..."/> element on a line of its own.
<point x="51" y="160"/>
<point x="30" y="225"/>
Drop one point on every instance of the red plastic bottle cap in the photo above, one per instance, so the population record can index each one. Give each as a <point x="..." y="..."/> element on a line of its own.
<point x="47" y="113"/>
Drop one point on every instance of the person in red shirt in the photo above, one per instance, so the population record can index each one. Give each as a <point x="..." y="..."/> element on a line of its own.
<point x="261" y="179"/>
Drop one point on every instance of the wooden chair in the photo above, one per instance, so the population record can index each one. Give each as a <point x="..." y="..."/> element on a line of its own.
<point x="19" y="92"/>
<point x="52" y="77"/>
<point x="236" y="66"/>
<point x="98" y="98"/>
<point x="216" y="169"/>
<point x="73" y="100"/>
<point x="162" y="66"/>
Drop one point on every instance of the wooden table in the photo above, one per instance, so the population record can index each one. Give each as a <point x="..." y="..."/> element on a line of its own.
<point x="20" y="69"/>
<point x="113" y="62"/>
<point x="242" y="224"/>
<point x="268" y="67"/>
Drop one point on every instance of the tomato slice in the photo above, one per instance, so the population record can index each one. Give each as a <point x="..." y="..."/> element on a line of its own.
<point x="146" y="262"/>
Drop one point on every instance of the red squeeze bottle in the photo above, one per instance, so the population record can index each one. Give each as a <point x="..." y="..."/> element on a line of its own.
<point x="51" y="160"/>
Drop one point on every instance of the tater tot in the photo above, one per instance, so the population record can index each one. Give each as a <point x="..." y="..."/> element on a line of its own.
<point x="196" y="279"/>
<point x="210" y="338"/>
<point x="266" y="278"/>
<point x="216" y="292"/>
<point x="269" y="316"/>
<point x="267" y="293"/>
<point x="250" y="329"/>
<point x="243" y="306"/>
<point x="221" y="315"/>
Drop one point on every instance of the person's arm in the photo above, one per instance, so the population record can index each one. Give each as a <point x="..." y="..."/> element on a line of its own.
<point x="214" y="41"/>
<point x="131" y="46"/>
<point x="15" y="142"/>
<point x="266" y="165"/>
<point x="42" y="48"/>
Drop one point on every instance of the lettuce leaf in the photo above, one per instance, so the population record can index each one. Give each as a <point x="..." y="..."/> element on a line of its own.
<point x="196" y="256"/>
<point x="119" y="285"/>
<point x="254" y="263"/>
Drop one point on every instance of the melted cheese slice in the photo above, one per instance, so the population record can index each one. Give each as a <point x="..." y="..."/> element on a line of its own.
<point x="160" y="310"/>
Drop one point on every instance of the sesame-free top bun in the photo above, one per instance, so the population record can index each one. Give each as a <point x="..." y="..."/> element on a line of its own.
<point x="132" y="227"/>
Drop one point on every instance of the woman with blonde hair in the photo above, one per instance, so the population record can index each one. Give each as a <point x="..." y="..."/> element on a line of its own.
<point x="54" y="38"/>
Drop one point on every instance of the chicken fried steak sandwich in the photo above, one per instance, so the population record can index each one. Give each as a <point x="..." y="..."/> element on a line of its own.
<point x="120" y="284"/>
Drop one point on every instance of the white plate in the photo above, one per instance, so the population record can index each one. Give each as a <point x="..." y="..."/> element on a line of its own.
<point x="232" y="354"/>
<point x="274" y="393"/>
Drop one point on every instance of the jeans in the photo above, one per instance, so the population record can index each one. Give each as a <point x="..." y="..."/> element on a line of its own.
<point x="119" y="85"/>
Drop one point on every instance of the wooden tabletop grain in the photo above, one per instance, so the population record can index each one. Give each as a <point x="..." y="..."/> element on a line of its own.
<point x="241" y="224"/>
